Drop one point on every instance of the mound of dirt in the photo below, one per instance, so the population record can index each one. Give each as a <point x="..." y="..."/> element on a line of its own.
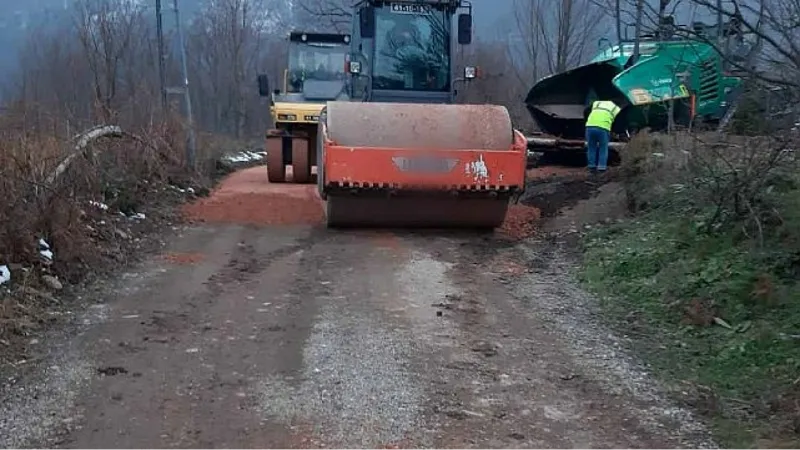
<point x="521" y="221"/>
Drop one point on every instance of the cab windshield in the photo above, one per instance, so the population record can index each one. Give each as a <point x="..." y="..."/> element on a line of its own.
<point x="316" y="70"/>
<point x="412" y="48"/>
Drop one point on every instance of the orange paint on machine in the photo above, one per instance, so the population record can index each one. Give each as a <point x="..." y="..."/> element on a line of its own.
<point x="419" y="164"/>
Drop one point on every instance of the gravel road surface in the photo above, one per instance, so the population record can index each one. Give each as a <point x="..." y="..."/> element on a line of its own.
<point x="247" y="333"/>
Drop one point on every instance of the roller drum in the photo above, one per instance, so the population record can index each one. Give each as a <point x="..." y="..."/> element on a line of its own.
<point x="420" y="126"/>
<point x="383" y="127"/>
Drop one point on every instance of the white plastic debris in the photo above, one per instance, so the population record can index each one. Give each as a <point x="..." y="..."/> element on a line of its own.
<point x="98" y="205"/>
<point x="138" y="216"/>
<point x="5" y="275"/>
<point x="44" y="250"/>
<point x="245" y="156"/>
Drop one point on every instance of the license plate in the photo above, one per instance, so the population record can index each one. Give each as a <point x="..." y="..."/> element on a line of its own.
<point x="425" y="165"/>
<point x="400" y="8"/>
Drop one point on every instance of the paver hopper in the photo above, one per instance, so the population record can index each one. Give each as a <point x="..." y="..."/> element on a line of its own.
<point x="672" y="72"/>
<point x="406" y="155"/>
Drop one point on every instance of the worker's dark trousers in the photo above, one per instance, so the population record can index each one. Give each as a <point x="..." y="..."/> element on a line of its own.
<point x="597" y="148"/>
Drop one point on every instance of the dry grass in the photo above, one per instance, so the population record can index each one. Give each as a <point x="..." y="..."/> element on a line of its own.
<point x="129" y="174"/>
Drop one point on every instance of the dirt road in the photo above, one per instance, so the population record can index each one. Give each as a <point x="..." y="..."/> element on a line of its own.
<point x="253" y="332"/>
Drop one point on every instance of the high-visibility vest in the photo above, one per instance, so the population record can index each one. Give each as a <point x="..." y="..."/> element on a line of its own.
<point x="603" y="114"/>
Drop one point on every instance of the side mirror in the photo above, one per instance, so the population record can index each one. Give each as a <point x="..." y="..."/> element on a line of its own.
<point x="464" y="29"/>
<point x="366" y="21"/>
<point x="263" y="85"/>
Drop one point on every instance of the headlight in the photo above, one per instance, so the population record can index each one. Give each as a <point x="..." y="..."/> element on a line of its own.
<point x="470" y="72"/>
<point x="287" y="117"/>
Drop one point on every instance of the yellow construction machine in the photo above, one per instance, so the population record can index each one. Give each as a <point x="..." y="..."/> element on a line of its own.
<point x="315" y="74"/>
<point x="394" y="149"/>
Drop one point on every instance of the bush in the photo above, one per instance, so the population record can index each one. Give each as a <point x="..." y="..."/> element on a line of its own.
<point x="77" y="213"/>
<point x="706" y="274"/>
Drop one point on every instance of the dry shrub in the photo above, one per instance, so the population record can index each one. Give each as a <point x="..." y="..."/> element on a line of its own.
<point x="119" y="172"/>
<point x="729" y="178"/>
<point x="652" y="164"/>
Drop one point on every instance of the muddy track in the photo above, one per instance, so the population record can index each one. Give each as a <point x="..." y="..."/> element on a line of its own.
<point x="295" y="336"/>
<point x="553" y="194"/>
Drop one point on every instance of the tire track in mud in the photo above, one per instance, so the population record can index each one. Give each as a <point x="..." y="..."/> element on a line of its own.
<point x="244" y="262"/>
<point x="207" y="348"/>
<point x="306" y="337"/>
<point x="532" y="388"/>
<point x="357" y="386"/>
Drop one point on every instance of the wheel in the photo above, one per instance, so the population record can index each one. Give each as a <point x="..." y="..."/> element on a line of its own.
<point x="301" y="165"/>
<point x="276" y="167"/>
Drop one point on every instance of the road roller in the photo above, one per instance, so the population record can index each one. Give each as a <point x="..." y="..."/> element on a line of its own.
<point x="400" y="151"/>
<point x="315" y="73"/>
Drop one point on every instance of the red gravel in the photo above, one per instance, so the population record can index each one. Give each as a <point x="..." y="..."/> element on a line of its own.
<point x="183" y="258"/>
<point x="248" y="198"/>
<point x="520" y="221"/>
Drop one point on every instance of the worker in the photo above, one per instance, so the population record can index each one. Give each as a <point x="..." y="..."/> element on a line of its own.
<point x="598" y="133"/>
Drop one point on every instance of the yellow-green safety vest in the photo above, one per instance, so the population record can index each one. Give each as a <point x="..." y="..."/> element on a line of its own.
<point x="603" y="114"/>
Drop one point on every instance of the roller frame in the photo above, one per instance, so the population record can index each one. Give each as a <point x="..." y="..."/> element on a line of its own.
<point x="475" y="205"/>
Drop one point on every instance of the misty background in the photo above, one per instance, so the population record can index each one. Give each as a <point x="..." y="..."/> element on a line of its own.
<point x="18" y="17"/>
<point x="96" y="61"/>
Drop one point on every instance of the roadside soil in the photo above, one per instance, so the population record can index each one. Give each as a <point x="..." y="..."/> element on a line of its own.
<point x="255" y="326"/>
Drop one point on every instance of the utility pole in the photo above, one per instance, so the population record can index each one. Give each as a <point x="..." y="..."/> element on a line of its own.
<point x="191" y="149"/>
<point x="162" y="74"/>
<point x="183" y="89"/>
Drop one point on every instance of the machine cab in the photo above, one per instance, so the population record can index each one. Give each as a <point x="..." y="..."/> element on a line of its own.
<point x="316" y="70"/>
<point x="403" y="51"/>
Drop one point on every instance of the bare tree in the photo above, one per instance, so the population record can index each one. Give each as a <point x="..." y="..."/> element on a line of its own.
<point x="326" y="15"/>
<point x="106" y="29"/>
<point x="101" y="63"/>
<point x="497" y="83"/>
<point x="227" y="44"/>
<point x="557" y="35"/>
<point x="95" y="63"/>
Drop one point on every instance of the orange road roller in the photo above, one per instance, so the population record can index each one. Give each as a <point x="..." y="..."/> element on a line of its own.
<point x="418" y="165"/>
